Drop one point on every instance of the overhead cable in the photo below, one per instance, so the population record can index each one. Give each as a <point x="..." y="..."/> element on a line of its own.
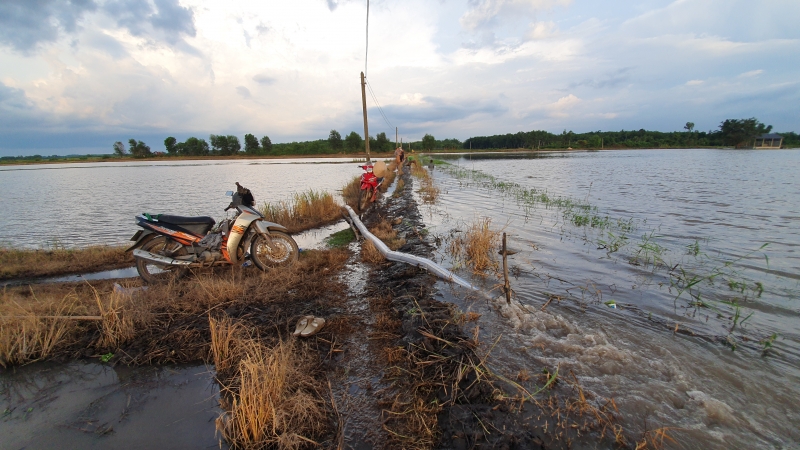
<point x="375" y="99"/>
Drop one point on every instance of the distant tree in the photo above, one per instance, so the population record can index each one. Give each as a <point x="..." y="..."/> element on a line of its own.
<point x="225" y="145"/>
<point x="193" y="147"/>
<point x="170" y="144"/>
<point x="266" y="144"/>
<point x="689" y="126"/>
<point x="335" y="141"/>
<point x="741" y="132"/>
<point x="119" y="149"/>
<point x="139" y="149"/>
<point x="353" y="142"/>
<point x="382" y="143"/>
<point x="233" y="145"/>
<point x="428" y="142"/>
<point x="251" y="144"/>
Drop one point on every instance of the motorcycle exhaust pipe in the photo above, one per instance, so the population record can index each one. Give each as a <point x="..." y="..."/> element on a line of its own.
<point x="158" y="259"/>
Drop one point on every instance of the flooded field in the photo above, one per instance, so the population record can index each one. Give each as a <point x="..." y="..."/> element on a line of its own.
<point x="93" y="405"/>
<point x="645" y="274"/>
<point x="88" y="204"/>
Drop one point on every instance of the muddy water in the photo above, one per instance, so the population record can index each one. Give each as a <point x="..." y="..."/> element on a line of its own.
<point x="83" y="204"/>
<point x="90" y="405"/>
<point x="699" y="210"/>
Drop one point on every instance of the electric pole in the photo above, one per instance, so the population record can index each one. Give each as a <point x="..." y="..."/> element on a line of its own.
<point x="364" y="105"/>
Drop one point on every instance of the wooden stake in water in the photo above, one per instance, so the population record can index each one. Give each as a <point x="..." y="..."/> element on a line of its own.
<point x="507" y="287"/>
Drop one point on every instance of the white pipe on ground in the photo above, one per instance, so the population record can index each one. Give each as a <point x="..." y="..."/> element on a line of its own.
<point x="417" y="261"/>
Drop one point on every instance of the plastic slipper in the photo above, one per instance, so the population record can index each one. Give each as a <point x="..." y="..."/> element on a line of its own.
<point x="313" y="328"/>
<point x="302" y="324"/>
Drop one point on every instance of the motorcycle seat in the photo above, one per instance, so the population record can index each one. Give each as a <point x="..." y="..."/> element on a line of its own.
<point x="180" y="220"/>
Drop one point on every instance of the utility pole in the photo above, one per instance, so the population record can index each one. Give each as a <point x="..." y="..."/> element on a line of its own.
<point x="395" y="137"/>
<point x="364" y="105"/>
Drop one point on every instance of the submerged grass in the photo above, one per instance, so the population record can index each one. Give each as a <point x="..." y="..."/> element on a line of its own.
<point x="22" y="263"/>
<point x="476" y="247"/>
<point x="303" y="211"/>
<point x="427" y="190"/>
<point x="340" y="238"/>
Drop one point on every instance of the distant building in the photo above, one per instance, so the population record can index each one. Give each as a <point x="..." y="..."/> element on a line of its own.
<point x="768" y="141"/>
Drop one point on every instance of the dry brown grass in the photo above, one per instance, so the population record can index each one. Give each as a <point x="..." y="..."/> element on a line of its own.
<point x="310" y="209"/>
<point x="476" y="247"/>
<point x="59" y="261"/>
<point x="167" y="323"/>
<point x="272" y="400"/>
<point x="427" y="190"/>
<point x="370" y="254"/>
<point x="33" y="332"/>
<point x="351" y="191"/>
<point x="383" y="231"/>
<point x="654" y="439"/>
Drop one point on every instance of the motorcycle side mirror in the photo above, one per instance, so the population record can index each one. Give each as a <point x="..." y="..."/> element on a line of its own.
<point x="229" y="194"/>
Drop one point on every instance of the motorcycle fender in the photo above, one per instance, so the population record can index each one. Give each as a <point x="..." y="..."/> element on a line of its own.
<point x="236" y="233"/>
<point x="264" y="227"/>
<point x="141" y="237"/>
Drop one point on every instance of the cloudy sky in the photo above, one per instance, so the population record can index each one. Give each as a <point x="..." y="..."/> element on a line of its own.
<point x="77" y="75"/>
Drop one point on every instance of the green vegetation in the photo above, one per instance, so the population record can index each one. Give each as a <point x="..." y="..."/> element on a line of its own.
<point x="340" y="238"/>
<point x="731" y="132"/>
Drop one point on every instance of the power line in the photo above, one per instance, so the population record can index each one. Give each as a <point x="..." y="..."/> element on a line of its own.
<point x="366" y="52"/>
<point x="375" y="99"/>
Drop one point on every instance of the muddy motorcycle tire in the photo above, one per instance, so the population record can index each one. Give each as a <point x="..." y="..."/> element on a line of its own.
<point x="364" y="199"/>
<point x="153" y="273"/>
<point x="283" y="252"/>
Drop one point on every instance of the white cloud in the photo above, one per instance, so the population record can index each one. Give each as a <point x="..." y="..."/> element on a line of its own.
<point x="562" y="107"/>
<point x="291" y="69"/>
<point x="488" y="12"/>
<point x="542" y="30"/>
<point x="751" y="74"/>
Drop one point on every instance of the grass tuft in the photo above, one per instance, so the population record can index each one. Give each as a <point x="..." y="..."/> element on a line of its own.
<point x="15" y="263"/>
<point x="476" y="247"/>
<point x="310" y="209"/>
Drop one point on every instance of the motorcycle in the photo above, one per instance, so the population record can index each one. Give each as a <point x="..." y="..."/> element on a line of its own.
<point x="369" y="186"/>
<point x="168" y="246"/>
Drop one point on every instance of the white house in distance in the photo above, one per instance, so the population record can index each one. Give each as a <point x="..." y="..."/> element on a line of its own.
<point x="768" y="141"/>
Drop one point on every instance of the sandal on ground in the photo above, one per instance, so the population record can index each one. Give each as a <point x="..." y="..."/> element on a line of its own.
<point x="313" y="328"/>
<point x="302" y="324"/>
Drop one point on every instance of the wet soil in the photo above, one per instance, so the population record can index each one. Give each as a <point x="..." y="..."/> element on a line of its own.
<point x="428" y="384"/>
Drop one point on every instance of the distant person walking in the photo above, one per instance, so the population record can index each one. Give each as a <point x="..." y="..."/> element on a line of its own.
<point x="399" y="156"/>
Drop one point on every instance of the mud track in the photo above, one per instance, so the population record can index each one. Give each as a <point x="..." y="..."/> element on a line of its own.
<point x="424" y="373"/>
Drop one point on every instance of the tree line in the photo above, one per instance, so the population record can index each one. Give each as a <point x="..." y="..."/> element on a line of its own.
<point x="732" y="132"/>
<point x="739" y="133"/>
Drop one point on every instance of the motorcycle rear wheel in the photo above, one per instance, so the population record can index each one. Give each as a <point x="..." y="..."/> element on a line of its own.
<point x="284" y="250"/>
<point x="153" y="273"/>
<point x="364" y="199"/>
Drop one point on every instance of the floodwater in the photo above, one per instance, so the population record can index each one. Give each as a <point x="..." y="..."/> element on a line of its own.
<point x="93" y="405"/>
<point x="687" y="360"/>
<point x="95" y="203"/>
<point x="615" y="318"/>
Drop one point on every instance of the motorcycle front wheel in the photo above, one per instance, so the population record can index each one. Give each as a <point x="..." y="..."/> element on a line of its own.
<point x="363" y="200"/>
<point x="153" y="273"/>
<point x="283" y="251"/>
